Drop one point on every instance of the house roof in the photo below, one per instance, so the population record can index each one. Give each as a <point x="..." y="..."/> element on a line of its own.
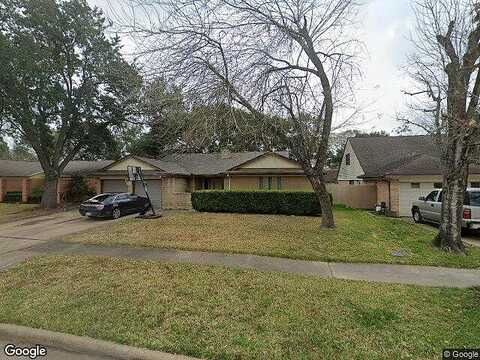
<point x="176" y="164"/>
<point x="28" y="168"/>
<point x="379" y="155"/>
<point x="398" y="155"/>
<point x="213" y="163"/>
<point x="167" y="166"/>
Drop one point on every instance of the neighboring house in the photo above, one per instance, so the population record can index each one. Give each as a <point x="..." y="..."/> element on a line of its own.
<point x="25" y="176"/>
<point x="402" y="168"/>
<point x="172" y="178"/>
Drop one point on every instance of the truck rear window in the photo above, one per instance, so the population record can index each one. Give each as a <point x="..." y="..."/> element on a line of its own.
<point x="473" y="198"/>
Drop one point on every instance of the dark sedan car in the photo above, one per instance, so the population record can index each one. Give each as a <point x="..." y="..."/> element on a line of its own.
<point x="114" y="205"/>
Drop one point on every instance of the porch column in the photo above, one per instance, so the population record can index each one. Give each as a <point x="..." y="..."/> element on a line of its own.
<point x="2" y="189"/>
<point x="192" y="184"/>
<point x="25" y="189"/>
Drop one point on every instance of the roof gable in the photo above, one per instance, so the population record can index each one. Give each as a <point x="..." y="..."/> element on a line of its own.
<point x="146" y="164"/>
<point x="269" y="160"/>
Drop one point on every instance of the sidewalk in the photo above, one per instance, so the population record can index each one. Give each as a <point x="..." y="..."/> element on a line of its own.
<point x="385" y="273"/>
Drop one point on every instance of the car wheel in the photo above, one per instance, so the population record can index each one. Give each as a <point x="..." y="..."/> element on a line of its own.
<point x="116" y="213"/>
<point x="417" y="216"/>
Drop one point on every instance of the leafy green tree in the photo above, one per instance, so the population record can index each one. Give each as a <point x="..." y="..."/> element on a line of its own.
<point x="63" y="81"/>
<point x="176" y="124"/>
<point x="4" y="150"/>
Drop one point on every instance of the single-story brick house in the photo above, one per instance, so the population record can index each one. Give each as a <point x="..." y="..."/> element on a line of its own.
<point x="402" y="168"/>
<point x="172" y="178"/>
<point x="25" y="176"/>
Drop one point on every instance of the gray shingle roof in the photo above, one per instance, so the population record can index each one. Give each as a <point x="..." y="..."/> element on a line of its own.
<point x="398" y="155"/>
<point x="213" y="163"/>
<point x="19" y="168"/>
<point x="29" y="168"/>
<point x="167" y="166"/>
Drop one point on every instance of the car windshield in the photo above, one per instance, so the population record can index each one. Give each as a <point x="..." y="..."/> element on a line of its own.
<point x="474" y="198"/>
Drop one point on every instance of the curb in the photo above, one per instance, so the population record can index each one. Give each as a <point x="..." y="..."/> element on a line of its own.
<point x="82" y="345"/>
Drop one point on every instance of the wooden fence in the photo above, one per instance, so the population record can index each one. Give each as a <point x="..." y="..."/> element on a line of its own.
<point x="359" y="196"/>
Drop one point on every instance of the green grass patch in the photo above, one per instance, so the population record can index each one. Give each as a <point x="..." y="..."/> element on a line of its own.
<point x="220" y="313"/>
<point x="360" y="237"/>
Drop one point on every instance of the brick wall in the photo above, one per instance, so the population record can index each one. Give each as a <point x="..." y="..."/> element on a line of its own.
<point x="383" y="193"/>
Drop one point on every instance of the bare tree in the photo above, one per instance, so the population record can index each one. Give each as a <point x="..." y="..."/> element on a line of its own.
<point x="290" y="63"/>
<point x="445" y="68"/>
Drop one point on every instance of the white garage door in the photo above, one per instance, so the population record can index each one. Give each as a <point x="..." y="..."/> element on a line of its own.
<point x="410" y="193"/>
<point x="114" y="186"/>
<point x="154" y="190"/>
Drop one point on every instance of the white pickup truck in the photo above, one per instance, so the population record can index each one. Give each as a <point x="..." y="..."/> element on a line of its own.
<point x="429" y="208"/>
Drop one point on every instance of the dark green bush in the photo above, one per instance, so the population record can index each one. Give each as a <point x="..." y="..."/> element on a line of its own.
<point x="35" y="196"/>
<point x="13" y="196"/>
<point x="257" y="202"/>
<point x="79" y="190"/>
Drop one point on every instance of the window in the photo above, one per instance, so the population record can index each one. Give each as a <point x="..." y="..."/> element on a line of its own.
<point x="438" y="185"/>
<point x="351" y="182"/>
<point x="440" y="197"/>
<point x="415" y="185"/>
<point x="432" y="196"/>
<point x="269" y="182"/>
<point x="473" y="199"/>
<point x="347" y="159"/>
<point x="475" y="184"/>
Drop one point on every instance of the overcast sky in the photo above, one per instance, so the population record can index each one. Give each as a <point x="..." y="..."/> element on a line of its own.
<point x="386" y="25"/>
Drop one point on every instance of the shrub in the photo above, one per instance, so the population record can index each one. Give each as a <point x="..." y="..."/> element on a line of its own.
<point x="13" y="197"/>
<point x="35" y="196"/>
<point x="257" y="202"/>
<point x="79" y="190"/>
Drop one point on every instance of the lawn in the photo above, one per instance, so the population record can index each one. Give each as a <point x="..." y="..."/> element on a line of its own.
<point x="220" y="313"/>
<point x="359" y="237"/>
<point x="9" y="212"/>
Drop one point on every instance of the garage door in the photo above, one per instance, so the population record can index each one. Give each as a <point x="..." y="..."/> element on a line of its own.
<point x="409" y="192"/>
<point x="114" y="186"/>
<point x="154" y="190"/>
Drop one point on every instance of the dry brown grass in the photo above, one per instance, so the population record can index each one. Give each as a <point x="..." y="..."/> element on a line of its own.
<point x="359" y="237"/>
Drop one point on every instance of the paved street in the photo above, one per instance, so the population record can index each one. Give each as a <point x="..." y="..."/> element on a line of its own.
<point x="52" y="353"/>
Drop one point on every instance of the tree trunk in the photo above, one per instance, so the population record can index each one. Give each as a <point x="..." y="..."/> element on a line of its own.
<point x="49" y="197"/>
<point x="328" y="221"/>
<point x="455" y="176"/>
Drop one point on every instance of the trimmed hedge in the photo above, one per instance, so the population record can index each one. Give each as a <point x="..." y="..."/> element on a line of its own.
<point x="257" y="202"/>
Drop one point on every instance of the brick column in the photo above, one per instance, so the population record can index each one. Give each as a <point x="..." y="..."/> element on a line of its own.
<point x="98" y="186"/>
<point x="25" y="189"/>
<point x="2" y="190"/>
<point x="395" y="197"/>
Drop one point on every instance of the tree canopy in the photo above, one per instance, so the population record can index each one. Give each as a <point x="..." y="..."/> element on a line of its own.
<point x="64" y="82"/>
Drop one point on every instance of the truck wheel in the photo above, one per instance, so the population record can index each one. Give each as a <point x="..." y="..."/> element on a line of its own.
<point x="417" y="216"/>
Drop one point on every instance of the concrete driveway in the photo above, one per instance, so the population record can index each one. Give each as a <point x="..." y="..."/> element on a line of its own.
<point x="471" y="237"/>
<point x="22" y="234"/>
